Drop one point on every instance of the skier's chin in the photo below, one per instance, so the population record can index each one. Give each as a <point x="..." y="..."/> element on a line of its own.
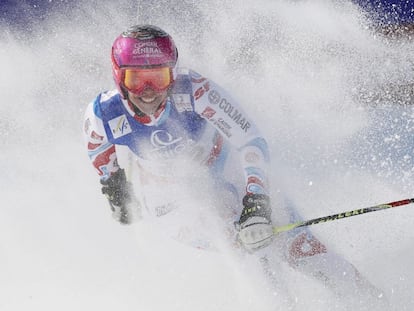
<point x="147" y="107"/>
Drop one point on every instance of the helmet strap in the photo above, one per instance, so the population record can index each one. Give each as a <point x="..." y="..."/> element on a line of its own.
<point x="136" y="110"/>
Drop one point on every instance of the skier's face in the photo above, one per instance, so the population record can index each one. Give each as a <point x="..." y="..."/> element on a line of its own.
<point x="148" y="100"/>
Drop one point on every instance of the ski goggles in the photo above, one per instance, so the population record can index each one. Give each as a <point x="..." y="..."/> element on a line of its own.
<point x="136" y="80"/>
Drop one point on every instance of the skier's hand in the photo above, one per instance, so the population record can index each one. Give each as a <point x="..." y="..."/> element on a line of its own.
<point x="255" y="227"/>
<point x="119" y="194"/>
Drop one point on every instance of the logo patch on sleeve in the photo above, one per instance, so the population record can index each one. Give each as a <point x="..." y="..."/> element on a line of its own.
<point x="119" y="126"/>
<point x="182" y="102"/>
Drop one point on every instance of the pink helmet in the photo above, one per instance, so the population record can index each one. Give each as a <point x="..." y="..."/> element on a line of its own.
<point x="142" y="46"/>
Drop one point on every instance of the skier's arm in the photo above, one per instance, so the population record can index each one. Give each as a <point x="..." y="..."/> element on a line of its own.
<point x="237" y="127"/>
<point x="104" y="159"/>
<point x="233" y="123"/>
<point x="100" y="151"/>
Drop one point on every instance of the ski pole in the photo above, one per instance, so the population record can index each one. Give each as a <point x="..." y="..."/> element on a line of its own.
<point x="356" y="212"/>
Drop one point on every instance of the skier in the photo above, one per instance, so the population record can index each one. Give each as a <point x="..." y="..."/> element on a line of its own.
<point x="163" y="114"/>
<point x="166" y="116"/>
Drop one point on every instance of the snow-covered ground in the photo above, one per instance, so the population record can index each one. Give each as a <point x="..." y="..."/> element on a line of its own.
<point x="308" y="71"/>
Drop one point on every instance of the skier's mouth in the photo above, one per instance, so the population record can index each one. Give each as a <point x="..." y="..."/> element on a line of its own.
<point x="148" y="100"/>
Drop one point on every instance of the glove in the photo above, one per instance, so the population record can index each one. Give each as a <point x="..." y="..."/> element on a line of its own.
<point x="255" y="227"/>
<point x="118" y="192"/>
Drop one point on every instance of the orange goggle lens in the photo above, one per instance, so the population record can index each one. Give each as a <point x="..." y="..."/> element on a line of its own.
<point x="135" y="80"/>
